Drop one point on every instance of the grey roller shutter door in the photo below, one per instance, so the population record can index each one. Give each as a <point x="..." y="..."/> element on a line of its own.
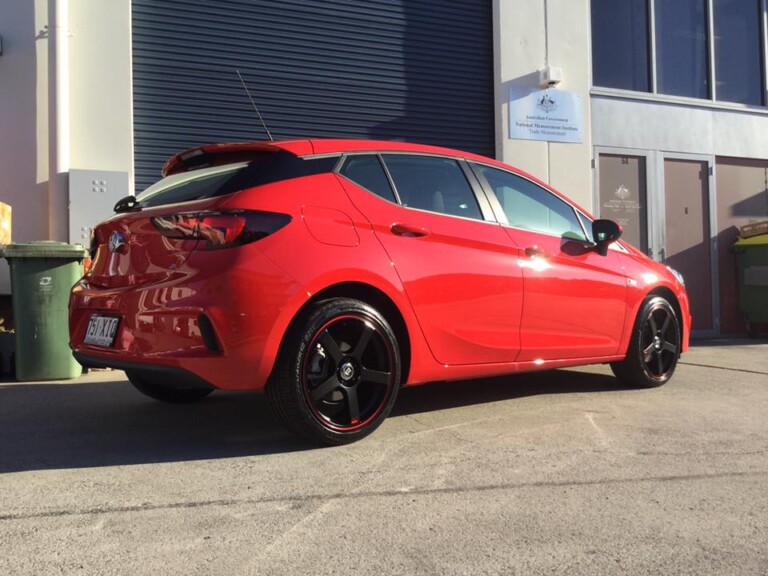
<point x="417" y="70"/>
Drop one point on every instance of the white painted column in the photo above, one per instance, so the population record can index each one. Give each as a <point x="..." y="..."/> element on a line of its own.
<point x="58" y="110"/>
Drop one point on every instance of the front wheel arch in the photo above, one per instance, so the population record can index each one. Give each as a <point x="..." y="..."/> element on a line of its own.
<point x="670" y="297"/>
<point x="655" y="345"/>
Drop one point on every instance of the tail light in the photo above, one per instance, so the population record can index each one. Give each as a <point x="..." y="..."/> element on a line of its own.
<point x="94" y="245"/>
<point x="221" y="229"/>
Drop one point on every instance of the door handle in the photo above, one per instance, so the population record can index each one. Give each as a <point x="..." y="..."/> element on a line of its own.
<point x="408" y="231"/>
<point x="535" y="252"/>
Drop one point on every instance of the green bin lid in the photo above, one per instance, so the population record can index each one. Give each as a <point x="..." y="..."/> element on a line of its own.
<point x="44" y="249"/>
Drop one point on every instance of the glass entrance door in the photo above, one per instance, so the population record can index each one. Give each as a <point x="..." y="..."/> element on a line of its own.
<point x="623" y="195"/>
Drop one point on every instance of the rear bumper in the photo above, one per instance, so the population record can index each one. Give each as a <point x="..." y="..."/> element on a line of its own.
<point x="216" y="321"/>
<point x="178" y="376"/>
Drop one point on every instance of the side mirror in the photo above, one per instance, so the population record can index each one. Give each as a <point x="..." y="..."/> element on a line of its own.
<point x="605" y="232"/>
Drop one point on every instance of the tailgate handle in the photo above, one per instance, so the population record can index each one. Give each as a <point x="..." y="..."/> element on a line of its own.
<point x="409" y="231"/>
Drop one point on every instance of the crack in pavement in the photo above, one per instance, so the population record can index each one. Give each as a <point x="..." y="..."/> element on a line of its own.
<point x="373" y="494"/>
<point x="725" y="368"/>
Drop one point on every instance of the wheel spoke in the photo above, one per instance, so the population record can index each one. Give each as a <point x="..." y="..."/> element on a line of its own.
<point x="652" y="324"/>
<point x="660" y="364"/>
<point x="669" y="347"/>
<point x="330" y="346"/>
<point x="325" y="388"/>
<point x="665" y="325"/>
<point x="362" y="344"/>
<point x="375" y="376"/>
<point x="352" y="406"/>
<point x="648" y="353"/>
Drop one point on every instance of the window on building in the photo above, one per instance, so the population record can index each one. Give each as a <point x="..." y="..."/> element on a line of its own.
<point x="738" y="61"/>
<point x="682" y="52"/>
<point x="686" y="50"/>
<point x="620" y="56"/>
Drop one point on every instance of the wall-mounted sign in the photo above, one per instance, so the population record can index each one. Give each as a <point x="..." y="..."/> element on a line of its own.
<point x="551" y="115"/>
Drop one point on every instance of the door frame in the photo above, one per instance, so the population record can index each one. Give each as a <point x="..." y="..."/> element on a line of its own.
<point x="656" y="211"/>
<point x="713" y="254"/>
<point x="651" y="190"/>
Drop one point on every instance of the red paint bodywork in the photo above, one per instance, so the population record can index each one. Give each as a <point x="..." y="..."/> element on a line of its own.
<point x="476" y="298"/>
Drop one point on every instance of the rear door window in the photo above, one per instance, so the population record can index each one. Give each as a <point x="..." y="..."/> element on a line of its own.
<point x="432" y="183"/>
<point x="365" y="170"/>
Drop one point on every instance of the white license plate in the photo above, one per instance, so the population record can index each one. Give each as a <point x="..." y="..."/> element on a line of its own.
<point x="101" y="330"/>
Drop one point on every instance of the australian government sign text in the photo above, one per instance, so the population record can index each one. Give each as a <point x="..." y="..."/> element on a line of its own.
<point x="551" y="115"/>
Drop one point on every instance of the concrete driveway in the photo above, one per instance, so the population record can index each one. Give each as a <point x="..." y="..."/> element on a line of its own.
<point x="561" y="472"/>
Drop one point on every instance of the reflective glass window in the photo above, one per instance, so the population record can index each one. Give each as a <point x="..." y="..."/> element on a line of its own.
<point x="738" y="62"/>
<point x="620" y="57"/>
<point x="682" y="48"/>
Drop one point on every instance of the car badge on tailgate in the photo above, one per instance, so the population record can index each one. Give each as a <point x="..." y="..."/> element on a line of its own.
<point x="117" y="243"/>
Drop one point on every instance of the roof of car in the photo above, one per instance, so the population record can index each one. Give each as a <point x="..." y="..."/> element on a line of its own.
<point x="239" y="151"/>
<point x="307" y="147"/>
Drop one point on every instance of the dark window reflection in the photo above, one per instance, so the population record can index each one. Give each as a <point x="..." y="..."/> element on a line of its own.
<point x="620" y="44"/>
<point x="738" y="62"/>
<point x="681" y="48"/>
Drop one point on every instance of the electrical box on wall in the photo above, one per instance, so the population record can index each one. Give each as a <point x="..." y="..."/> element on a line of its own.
<point x="92" y="197"/>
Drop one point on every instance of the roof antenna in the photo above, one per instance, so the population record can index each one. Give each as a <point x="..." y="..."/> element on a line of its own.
<point x="254" y="106"/>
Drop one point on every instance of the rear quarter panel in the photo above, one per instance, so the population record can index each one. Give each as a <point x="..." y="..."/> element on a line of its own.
<point x="329" y="242"/>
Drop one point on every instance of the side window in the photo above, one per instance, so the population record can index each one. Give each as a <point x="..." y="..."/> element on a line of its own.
<point x="366" y="171"/>
<point x="530" y="206"/>
<point x="434" y="184"/>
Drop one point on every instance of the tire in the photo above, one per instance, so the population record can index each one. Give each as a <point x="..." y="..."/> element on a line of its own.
<point x="654" y="348"/>
<point x="166" y="393"/>
<point x="337" y="374"/>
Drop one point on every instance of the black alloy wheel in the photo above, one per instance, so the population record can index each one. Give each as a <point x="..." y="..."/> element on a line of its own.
<point x="340" y="380"/>
<point x="654" y="348"/>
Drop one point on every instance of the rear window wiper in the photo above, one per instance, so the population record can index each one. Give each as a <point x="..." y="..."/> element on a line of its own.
<point x="127" y="204"/>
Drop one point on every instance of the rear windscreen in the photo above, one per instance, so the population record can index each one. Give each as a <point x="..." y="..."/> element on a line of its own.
<point x="263" y="168"/>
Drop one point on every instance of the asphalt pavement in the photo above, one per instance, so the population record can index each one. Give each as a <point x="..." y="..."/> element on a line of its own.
<point x="562" y="472"/>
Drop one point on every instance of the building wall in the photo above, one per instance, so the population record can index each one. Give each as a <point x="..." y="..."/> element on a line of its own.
<point x="100" y="85"/>
<point x="532" y="34"/>
<point x="24" y="121"/>
<point x="675" y="127"/>
<point x="100" y="114"/>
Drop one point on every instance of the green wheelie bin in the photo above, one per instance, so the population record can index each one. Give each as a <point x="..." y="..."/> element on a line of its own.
<point x="752" y="265"/>
<point x="42" y="275"/>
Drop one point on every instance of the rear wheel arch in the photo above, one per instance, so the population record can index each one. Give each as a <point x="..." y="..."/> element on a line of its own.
<point x="365" y="293"/>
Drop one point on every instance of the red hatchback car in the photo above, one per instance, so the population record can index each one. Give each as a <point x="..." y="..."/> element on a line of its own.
<point x="332" y="272"/>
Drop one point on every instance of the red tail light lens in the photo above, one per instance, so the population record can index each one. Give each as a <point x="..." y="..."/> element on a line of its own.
<point x="221" y="229"/>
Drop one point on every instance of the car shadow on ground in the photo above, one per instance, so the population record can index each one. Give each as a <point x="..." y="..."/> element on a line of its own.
<point x="445" y="395"/>
<point x="89" y="424"/>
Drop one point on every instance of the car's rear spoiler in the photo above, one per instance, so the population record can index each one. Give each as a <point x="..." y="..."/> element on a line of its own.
<point x="216" y="155"/>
